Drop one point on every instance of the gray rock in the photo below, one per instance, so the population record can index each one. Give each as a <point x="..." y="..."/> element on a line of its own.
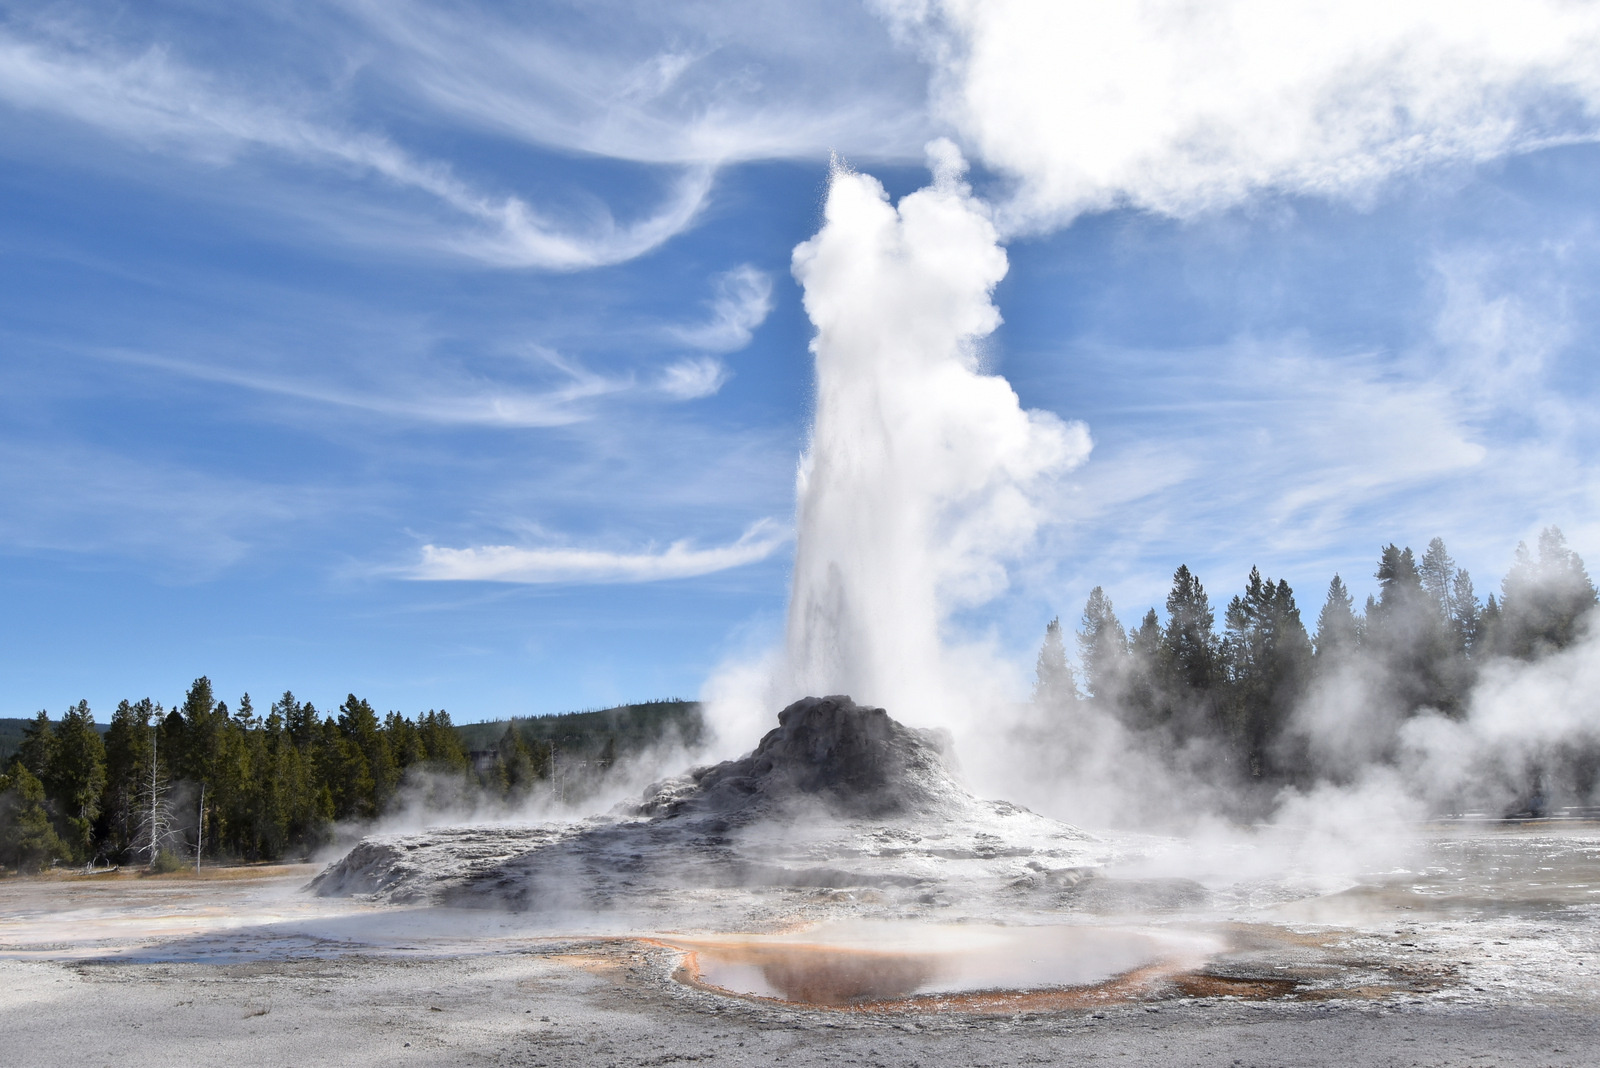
<point x="851" y="759"/>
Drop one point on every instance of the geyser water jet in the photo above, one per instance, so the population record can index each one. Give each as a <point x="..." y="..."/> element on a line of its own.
<point x="922" y="474"/>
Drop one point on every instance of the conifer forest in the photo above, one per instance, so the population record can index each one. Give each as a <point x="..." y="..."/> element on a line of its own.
<point x="161" y="787"/>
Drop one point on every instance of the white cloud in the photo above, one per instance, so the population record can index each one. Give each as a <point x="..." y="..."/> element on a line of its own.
<point x="151" y="100"/>
<point x="1180" y="107"/>
<point x="509" y="563"/>
<point x="742" y="303"/>
<point x="691" y="379"/>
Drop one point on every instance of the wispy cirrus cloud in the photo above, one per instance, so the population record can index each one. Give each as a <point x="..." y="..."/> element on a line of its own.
<point x="742" y="303"/>
<point x="443" y="404"/>
<point x="147" y="98"/>
<point x="509" y="563"/>
<point x="1286" y="453"/>
<point x="693" y="378"/>
<point x="662" y="83"/>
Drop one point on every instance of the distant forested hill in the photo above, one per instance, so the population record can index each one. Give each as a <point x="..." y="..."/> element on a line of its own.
<point x="10" y="738"/>
<point x="625" y="729"/>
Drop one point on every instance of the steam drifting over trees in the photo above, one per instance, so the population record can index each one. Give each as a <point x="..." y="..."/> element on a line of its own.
<point x="1237" y="708"/>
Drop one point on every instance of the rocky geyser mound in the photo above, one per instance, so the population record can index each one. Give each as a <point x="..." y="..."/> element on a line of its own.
<point x="838" y="803"/>
<point x="849" y="759"/>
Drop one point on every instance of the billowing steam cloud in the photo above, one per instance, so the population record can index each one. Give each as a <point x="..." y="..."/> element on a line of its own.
<point x="918" y="482"/>
<point x="1179" y="107"/>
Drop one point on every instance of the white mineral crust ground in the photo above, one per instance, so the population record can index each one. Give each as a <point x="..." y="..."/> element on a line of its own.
<point x="576" y="944"/>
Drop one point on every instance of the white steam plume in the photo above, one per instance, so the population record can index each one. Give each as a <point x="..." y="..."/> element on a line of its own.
<point x="1522" y="721"/>
<point x="1179" y="107"/>
<point x="920" y="477"/>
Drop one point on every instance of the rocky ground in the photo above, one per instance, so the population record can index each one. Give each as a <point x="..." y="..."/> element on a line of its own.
<point x="584" y="1003"/>
<point x="810" y="904"/>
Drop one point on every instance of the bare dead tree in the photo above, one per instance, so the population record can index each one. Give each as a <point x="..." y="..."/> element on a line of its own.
<point x="158" y="825"/>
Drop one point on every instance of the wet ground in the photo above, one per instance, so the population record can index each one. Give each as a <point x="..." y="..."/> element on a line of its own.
<point x="1481" y="950"/>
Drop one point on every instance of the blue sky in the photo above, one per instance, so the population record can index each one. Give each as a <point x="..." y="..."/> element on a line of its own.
<point x="450" y="355"/>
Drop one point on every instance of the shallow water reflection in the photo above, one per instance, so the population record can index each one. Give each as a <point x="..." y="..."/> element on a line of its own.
<point x="855" y="964"/>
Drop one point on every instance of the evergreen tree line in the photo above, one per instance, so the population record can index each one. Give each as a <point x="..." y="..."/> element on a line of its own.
<point x="1419" y="643"/>
<point x="163" y="784"/>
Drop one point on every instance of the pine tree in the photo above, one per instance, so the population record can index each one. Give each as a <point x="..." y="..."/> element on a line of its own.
<point x="1411" y="637"/>
<point x="76" y="779"/>
<point x="202" y="726"/>
<point x="299" y="720"/>
<point x="38" y="749"/>
<point x="1191" y="638"/>
<point x="28" y="841"/>
<point x="405" y="741"/>
<point x="273" y="754"/>
<point x="1144" y="703"/>
<point x="128" y="758"/>
<point x="440" y="743"/>
<point x="233" y="788"/>
<point x="1268" y="656"/>
<point x="517" y="762"/>
<point x="1437" y="574"/>
<point x="368" y="764"/>
<point x="1337" y="629"/>
<point x="1102" y="645"/>
<point x="1489" y="638"/>
<point x="1399" y="585"/>
<point x="1054" y="686"/>
<point x="1543" y="602"/>
<point x="1467" y="617"/>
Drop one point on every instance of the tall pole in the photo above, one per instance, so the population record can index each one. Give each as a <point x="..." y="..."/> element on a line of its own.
<point x="154" y="738"/>
<point x="200" y="833"/>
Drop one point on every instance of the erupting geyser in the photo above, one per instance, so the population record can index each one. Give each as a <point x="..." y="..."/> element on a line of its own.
<point x="920" y="480"/>
<point x="923" y="472"/>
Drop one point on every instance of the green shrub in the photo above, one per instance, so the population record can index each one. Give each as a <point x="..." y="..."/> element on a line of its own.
<point x="167" y="862"/>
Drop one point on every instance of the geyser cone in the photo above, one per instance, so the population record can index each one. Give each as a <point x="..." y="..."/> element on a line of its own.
<point x="840" y="804"/>
<point x="829" y="751"/>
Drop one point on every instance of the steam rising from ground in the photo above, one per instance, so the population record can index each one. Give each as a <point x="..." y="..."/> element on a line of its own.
<point x="1526" y="739"/>
<point x="1524" y="718"/>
